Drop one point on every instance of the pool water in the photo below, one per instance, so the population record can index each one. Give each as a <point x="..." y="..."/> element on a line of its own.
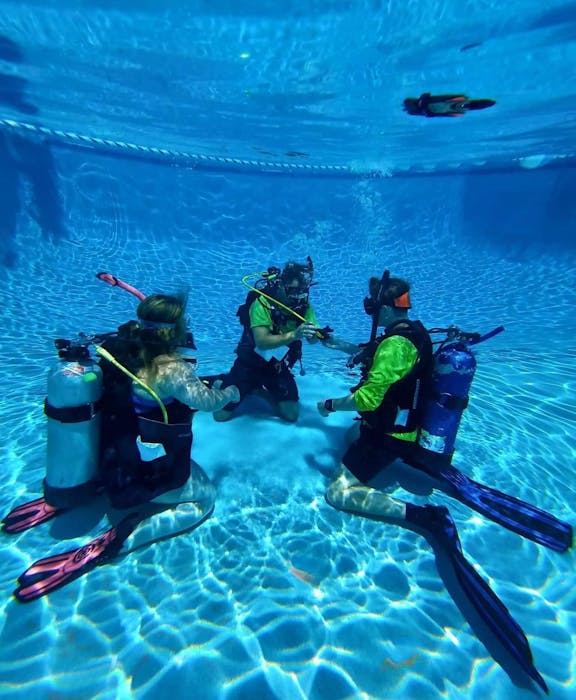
<point x="278" y="595"/>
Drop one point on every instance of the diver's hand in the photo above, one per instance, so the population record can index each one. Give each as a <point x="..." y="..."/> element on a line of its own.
<point x="305" y="330"/>
<point x="231" y="389"/>
<point x="324" y="334"/>
<point x="322" y="409"/>
<point x="235" y="391"/>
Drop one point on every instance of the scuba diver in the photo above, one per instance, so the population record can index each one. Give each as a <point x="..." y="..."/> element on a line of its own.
<point x="122" y="427"/>
<point x="411" y="399"/>
<point x="428" y="105"/>
<point x="276" y="317"/>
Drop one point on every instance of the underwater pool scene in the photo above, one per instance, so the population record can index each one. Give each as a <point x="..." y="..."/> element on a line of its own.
<point x="181" y="146"/>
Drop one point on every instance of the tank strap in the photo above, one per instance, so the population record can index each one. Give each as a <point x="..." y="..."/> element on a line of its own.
<point x="452" y="403"/>
<point x="72" y="414"/>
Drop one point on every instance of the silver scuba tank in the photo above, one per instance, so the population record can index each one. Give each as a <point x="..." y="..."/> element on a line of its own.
<point x="73" y="431"/>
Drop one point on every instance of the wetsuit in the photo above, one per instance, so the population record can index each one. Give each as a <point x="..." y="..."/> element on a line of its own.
<point x="394" y="370"/>
<point x="270" y="369"/>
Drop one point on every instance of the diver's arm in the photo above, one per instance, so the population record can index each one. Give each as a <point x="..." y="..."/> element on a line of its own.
<point x="345" y="403"/>
<point x="327" y="338"/>
<point x="393" y="360"/>
<point x="334" y="343"/>
<point x="181" y="382"/>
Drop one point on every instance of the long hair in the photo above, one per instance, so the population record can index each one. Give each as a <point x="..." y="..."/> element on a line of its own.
<point x="162" y="326"/>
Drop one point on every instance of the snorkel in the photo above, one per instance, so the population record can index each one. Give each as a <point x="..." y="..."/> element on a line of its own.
<point x="117" y="282"/>
<point x="374" y="302"/>
<point x="381" y="295"/>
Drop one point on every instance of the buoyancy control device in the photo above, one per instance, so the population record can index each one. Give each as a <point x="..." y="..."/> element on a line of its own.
<point x="444" y="390"/>
<point x="75" y="419"/>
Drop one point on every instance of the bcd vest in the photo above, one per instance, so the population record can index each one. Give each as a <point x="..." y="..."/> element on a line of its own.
<point x="245" y="348"/>
<point x="128" y="479"/>
<point x="399" y="410"/>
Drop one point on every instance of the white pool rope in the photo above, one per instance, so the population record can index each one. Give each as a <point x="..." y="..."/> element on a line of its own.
<point x="193" y="159"/>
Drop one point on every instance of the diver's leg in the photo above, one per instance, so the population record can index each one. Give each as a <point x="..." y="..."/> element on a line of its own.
<point x="170" y="514"/>
<point x="283" y="389"/>
<point x="347" y="493"/>
<point x="350" y="491"/>
<point x="222" y="415"/>
<point x="240" y="375"/>
<point x="288" y="410"/>
<point x="198" y="489"/>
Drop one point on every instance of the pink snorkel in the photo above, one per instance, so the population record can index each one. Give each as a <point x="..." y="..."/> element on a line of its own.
<point x="115" y="282"/>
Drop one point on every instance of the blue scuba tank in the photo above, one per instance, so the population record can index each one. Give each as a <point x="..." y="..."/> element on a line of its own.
<point x="445" y="398"/>
<point x="73" y="431"/>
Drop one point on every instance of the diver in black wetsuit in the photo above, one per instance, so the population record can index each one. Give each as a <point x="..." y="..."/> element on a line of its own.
<point x="428" y="105"/>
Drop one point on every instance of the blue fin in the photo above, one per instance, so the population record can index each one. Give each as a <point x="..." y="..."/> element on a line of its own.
<point x="516" y="515"/>
<point x="437" y="521"/>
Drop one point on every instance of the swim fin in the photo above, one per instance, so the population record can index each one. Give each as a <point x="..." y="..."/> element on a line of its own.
<point x="479" y="104"/>
<point x="48" y="574"/>
<point x="437" y="521"/>
<point x="516" y="515"/>
<point x="455" y="105"/>
<point x="29" y="515"/>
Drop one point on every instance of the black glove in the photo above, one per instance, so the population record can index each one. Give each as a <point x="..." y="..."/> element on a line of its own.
<point x="324" y="333"/>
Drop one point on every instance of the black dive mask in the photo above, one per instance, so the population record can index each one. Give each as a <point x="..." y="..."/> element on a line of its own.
<point x="375" y="301"/>
<point x="296" y="297"/>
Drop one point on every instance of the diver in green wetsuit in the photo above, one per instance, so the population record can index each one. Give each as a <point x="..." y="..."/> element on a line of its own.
<point x="276" y="318"/>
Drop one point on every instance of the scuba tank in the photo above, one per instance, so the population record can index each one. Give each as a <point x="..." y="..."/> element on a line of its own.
<point x="445" y="398"/>
<point x="72" y="409"/>
<point x="447" y="390"/>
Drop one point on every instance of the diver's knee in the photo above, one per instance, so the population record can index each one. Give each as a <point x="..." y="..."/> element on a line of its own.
<point x="339" y="489"/>
<point x="208" y="495"/>
<point x="335" y="494"/>
<point x="289" y="411"/>
<point x="222" y="416"/>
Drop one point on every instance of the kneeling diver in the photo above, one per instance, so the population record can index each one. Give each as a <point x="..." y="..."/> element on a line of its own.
<point x="410" y="401"/>
<point x="122" y="426"/>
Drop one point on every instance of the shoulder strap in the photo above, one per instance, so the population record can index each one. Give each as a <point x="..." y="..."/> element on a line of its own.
<point x="243" y="311"/>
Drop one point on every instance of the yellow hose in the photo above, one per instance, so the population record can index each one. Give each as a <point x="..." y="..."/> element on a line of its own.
<point x="263" y="294"/>
<point x="101" y="351"/>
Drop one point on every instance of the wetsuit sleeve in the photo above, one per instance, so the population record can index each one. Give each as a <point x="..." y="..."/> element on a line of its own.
<point x="181" y="382"/>
<point x="260" y="314"/>
<point x="393" y="360"/>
